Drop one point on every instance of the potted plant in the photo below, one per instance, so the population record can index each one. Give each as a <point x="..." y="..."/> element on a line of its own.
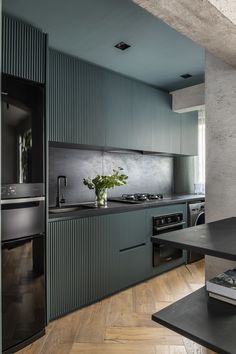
<point x="101" y="183"/>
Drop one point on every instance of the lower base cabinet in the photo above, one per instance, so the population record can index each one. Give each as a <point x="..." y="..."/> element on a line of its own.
<point x="93" y="257"/>
<point x="81" y="264"/>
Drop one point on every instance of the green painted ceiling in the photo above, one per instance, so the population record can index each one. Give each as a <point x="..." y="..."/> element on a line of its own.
<point x="89" y="29"/>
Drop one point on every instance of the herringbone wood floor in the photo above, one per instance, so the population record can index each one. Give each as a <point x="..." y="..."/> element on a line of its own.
<point x="121" y="324"/>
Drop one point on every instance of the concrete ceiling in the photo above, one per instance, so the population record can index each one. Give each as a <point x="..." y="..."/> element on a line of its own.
<point x="89" y="29"/>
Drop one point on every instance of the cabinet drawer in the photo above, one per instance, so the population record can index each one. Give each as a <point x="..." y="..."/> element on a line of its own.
<point x="129" y="229"/>
<point x="134" y="265"/>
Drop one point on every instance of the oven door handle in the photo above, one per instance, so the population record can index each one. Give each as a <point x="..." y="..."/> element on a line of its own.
<point x="22" y="200"/>
<point x="169" y="226"/>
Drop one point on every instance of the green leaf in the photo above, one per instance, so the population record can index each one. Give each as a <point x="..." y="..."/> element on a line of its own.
<point x="106" y="182"/>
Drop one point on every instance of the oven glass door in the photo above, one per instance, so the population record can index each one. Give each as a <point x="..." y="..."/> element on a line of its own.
<point x="163" y="253"/>
<point x="23" y="294"/>
<point x="22" y="131"/>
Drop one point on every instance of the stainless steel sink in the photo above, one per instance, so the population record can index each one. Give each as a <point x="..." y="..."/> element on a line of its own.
<point x="68" y="209"/>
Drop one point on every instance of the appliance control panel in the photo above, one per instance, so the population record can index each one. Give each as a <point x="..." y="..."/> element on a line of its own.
<point x="8" y="191"/>
<point x="165" y="221"/>
<point x="22" y="190"/>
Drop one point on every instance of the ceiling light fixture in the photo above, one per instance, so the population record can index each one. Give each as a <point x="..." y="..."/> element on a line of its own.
<point x="122" y="46"/>
<point x="186" y="76"/>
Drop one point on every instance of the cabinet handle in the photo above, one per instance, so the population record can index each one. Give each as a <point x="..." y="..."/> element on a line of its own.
<point x="132" y="247"/>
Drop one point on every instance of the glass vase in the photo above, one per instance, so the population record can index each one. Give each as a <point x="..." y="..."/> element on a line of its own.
<point x="101" y="198"/>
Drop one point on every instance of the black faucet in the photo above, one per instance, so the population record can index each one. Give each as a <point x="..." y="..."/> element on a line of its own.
<point x="60" y="199"/>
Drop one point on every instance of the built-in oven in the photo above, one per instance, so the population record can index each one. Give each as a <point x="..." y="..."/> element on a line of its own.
<point x="22" y="138"/>
<point x="162" y="224"/>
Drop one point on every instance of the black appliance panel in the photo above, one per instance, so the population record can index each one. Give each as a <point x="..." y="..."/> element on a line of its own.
<point x="23" y="294"/>
<point x="24" y="217"/>
<point x="162" y="224"/>
<point x="22" y="137"/>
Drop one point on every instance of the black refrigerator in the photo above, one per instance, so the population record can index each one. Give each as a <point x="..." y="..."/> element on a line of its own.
<point x="22" y="212"/>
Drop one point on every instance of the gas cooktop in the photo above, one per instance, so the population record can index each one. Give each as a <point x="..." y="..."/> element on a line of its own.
<point x="137" y="198"/>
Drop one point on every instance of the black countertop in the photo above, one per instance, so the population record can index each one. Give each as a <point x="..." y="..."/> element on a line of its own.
<point x="119" y="207"/>
<point x="204" y="320"/>
<point x="217" y="239"/>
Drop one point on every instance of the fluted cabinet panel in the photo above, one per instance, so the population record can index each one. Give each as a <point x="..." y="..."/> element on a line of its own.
<point x="95" y="106"/>
<point x="76" y="101"/>
<point x="23" y="50"/>
<point x="93" y="257"/>
<point x="80" y="261"/>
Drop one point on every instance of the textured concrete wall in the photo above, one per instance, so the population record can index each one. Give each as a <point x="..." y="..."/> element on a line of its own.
<point x="202" y="21"/>
<point x="188" y="99"/>
<point x="220" y="148"/>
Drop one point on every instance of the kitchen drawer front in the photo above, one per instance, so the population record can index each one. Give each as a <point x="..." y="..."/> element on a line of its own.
<point x="23" y="50"/>
<point x="134" y="265"/>
<point x="129" y="229"/>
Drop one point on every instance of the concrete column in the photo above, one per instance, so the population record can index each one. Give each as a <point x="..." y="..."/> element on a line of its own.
<point x="220" y="98"/>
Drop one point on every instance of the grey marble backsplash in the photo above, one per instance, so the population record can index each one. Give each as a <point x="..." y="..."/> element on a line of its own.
<point x="147" y="173"/>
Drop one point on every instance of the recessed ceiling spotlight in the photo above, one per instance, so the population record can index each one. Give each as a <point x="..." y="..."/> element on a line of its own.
<point x="186" y="76"/>
<point x="122" y="46"/>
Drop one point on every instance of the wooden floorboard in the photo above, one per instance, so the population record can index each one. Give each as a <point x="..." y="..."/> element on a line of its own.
<point x="121" y="324"/>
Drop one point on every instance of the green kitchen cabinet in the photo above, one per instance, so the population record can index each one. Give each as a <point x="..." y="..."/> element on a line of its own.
<point x="166" y="126"/>
<point x="189" y="133"/>
<point x="129" y="229"/>
<point x="118" y="111"/>
<point x="76" y="101"/>
<point x="23" y="50"/>
<point x="134" y="265"/>
<point x="81" y="263"/>
<point x="93" y="257"/>
<point x="94" y="106"/>
<point x="143" y="110"/>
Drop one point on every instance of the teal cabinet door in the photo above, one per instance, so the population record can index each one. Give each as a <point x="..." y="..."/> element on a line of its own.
<point x="189" y="137"/>
<point x="23" y="50"/>
<point x="118" y="111"/>
<point x="160" y="124"/>
<point x="166" y="128"/>
<point x="81" y="264"/>
<point x="76" y="101"/>
<point x="143" y="103"/>
<point x="174" y="133"/>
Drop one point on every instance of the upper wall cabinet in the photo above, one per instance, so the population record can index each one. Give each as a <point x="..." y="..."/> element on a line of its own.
<point x="118" y="110"/>
<point x="76" y="101"/>
<point x="23" y="50"/>
<point x="189" y="133"/>
<point x="94" y="106"/>
<point x="166" y="126"/>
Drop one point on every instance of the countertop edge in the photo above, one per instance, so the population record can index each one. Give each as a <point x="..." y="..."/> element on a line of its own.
<point x="122" y="208"/>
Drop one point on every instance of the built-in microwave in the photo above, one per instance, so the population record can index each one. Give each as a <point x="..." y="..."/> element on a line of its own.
<point x="162" y="224"/>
